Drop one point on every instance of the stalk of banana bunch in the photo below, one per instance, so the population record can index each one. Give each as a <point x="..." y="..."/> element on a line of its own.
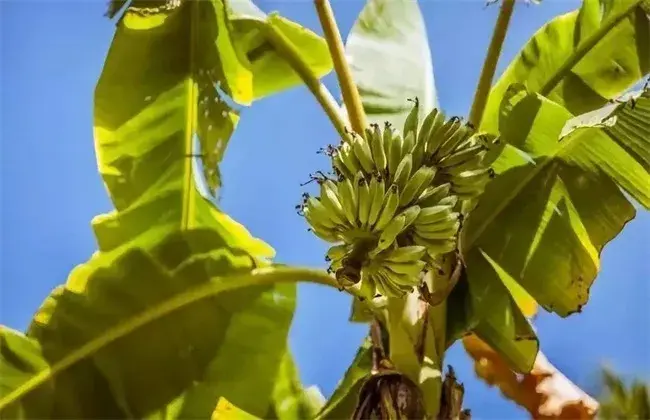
<point x="397" y="200"/>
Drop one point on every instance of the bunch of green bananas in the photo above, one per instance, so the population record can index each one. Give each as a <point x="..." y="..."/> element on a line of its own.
<point x="398" y="199"/>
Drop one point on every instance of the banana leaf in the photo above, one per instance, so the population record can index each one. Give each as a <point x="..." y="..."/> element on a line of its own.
<point x="391" y="36"/>
<point x="20" y="359"/>
<point x="613" y="38"/>
<point x="556" y="203"/>
<point x="163" y="110"/>
<point x="541" y="225"/>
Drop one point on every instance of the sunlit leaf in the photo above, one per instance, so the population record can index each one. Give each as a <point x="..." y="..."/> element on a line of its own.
<point x="20" y="359"/>
<point x="619" y="57"/>
<point x="162" y="100"/>
<point x="389" y="57"/>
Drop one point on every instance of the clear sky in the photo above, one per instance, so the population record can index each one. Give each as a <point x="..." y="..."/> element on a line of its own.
<point x="52" y="55"/>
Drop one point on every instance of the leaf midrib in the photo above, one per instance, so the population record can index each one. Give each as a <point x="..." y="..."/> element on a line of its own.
<point x="188" y="208"/>
<point x="586" y="46"/>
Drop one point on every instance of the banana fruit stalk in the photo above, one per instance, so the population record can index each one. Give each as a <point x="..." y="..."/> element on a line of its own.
<point x="398" y="200"/>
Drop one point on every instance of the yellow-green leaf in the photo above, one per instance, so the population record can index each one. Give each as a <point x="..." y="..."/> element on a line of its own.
<point x="390" y="35"/>
<point x="20" y="359"/>
<point x="616" y="58"/>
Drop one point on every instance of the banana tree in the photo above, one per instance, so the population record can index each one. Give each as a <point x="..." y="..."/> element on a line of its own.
<point x="441" y="228"/>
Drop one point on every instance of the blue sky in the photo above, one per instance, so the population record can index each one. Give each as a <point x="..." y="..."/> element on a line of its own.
<point x="52" y="55"/>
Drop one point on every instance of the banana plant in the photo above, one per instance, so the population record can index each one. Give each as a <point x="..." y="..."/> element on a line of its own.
<point x="181" y="312"/>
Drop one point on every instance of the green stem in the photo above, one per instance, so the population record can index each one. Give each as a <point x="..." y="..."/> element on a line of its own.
<point x="490" y="64"/>
<point x="351" y="97"/>
<point x="258" y="277"/>
<point x="585" y="47"/>
<point x="290" y="53"/>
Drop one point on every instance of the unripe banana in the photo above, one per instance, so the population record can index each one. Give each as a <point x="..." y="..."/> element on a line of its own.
<point x="339" y="166"/>
<point x="363" y="153"/>
<point x="389" y="234"/>
<point x="432" y="195"/>
<point x="435" y="247"/>
<point x="409" y="143"/>
<point x="460" y="135"/>
<point x="386" y="286"/>
<point x="349" y="202"/>
<point x="450" y="201"/>
<point x="427" y="124"/>
<point x="438" y="136"/>
<point x="349" y="159"/>
<point x="418" y="154"/>
<point x="449" y="233"/>
<point x="403" y="172"/>
<point x="377" y="148"/>
<point x="330" y="199"/>
<point x="416" y="185"/>
<point x="319" y="213"/>
<point x="337" y="252"/>
<point x="364" y="202"/>
<point x="434" y="214"/>
<point x="462" y="156"/>
<point x="391" y="202"/>
<point x="412" y="119"/>
<point x="404" y="282"/>
<point x="378" y="192"/>
<point x="410" y="214"/>
<point x="395" y="155"/>
<point x="411" y="269"/>
<point x="327" y="236"/>
<point x="450" y="223"/>
<point x="405" y="253"/>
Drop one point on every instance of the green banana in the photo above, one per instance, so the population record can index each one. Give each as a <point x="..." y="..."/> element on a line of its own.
<point x="427" y="124"/>
<point x="404" y="282"/>
<point x="320" y="214"/>
<point x="403" y="172"/>
<point x="395" y="155"/>
<point x="432" y="138"/>
<point x="411" y="269"/>
<point x="435" y="247"/>
<point x="349" y="159"/>
<point x="460" y="135"/>
<point x="363" y="153"/>
<point x="349" y="200"/>
<point x="363" y="192"/>
<point x="389" y="234"/>
<point x="450" y="200"/>
<point x="471" y="177"/>
<point x="448" y="233"/>
<point x="412" y="119"/>
<point x="386" y="286"/>
<point x="433" y="214"/>
<point x="438" y="136"/>
<point x="405" y="254"/>
<point x="339" y="166"/>
<point x="330" y="199"/>
<point x="377" y="148"/>
<point x="337" y="252"/>
<point x="327" y="236"/>
<point x="410" y="214"/>
<point x="431" y="195"/>
<point x="409" y="143"/>
<point x="391" y="202"/>
<point x="378" y="192"/>
<point x="462" y="156"/>
<point x="416" y="185"/>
